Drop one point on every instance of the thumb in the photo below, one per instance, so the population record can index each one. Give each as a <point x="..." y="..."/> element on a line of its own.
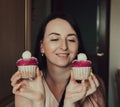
<point x="72" y="75"/>
<point x="38" y="73"/>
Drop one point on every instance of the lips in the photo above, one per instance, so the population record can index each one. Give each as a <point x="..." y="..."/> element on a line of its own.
<point x="62" y="54"/>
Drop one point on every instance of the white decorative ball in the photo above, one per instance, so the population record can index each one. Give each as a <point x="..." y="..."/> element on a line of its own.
<point x="81" y="56"/>
<point x="26" y="55"/>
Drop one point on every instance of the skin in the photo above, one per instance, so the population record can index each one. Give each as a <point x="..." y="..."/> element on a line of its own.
<point x="60" y="46"/>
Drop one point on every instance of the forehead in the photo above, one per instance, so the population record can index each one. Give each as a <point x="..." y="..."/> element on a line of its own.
<point x="57" y="21"/>
<point x="59" y="24"/>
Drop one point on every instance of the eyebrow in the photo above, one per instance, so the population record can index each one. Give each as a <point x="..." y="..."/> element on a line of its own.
<point x="72" y="34"/>
<point x="54" y="33"/>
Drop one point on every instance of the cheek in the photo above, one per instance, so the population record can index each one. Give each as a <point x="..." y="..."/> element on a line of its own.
<point x="74" y="48"/>
<point x="49" y="47"/>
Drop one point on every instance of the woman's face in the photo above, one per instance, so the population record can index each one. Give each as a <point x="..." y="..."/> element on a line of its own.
<point x="60" y="43"/>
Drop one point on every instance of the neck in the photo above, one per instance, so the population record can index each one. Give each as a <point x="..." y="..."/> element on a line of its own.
<point x="58" y="75"/>
<point x="57" y="79"/>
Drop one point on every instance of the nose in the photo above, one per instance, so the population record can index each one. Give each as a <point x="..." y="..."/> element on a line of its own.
<point x="64" y="44"/>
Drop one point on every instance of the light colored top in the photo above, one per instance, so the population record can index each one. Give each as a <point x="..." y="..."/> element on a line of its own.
<point x="50" y="100"/>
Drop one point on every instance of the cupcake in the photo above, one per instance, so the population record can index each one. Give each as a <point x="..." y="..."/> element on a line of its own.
<point x="27" y="65"/>
<point x="81" y="67"/>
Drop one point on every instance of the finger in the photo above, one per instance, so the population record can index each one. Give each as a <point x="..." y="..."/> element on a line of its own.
<point x="72" y="75"/>
<point x="25" y="82"/>
<point x="14" y="75"/>
<point x="21" y="88"/>
<point x="39" y="73"/>
<point x="16" y="88"/>
<point x="83" y="82"/>
<point x="15" y="80"/>
<point x="92" y="88"/>
<point x="26" y="93"/>
<point x="79" y="89"/>
<point x="92" y="83"/>
<point x="95" y="80"/>
<point x="78" y="95"/>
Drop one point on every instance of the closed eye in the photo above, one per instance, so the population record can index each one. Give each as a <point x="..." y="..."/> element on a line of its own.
<point x="71" y="40"/>
<point x="54" y="39"/>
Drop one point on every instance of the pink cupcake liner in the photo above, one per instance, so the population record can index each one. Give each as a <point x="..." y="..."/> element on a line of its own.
<point x="81" y="73"/>
<point x="27" y="72"/>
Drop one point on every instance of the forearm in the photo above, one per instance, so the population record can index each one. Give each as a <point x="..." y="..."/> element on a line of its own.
<point x="22" y="102"/>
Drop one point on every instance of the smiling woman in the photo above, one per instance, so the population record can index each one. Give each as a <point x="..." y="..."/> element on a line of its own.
<point x="93" y="19"/>
<point x="55" y="85"/>
<point x="24" y="17"/>
<point x="57" y="38"/>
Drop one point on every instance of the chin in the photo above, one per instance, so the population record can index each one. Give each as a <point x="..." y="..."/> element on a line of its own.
<point x="64" y="65"/>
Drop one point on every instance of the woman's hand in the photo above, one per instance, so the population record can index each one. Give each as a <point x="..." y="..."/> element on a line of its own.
<point x="77" y="91"/>
<point x="92" y="84"/>
<point x="30" y="89"/>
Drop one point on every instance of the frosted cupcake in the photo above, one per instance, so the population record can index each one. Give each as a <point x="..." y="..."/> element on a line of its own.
<point x="81" y="67"/>
<point x="27" y="65"/>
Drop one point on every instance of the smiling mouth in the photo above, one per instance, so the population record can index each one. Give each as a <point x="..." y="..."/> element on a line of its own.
<point x="62" y="54"/>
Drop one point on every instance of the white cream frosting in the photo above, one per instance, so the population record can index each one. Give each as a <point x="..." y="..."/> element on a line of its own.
<point x="26" y="54"/>
<point x="81" y="56"/>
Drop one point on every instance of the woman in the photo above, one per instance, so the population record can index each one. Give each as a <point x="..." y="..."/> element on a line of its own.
<point x="57" y="45"/>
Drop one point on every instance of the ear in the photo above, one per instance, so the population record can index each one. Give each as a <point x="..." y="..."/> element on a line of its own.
<point x="41" y="47"/>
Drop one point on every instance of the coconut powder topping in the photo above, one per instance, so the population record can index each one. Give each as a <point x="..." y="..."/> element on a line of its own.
<point x="81" y="57"/>
<point x="26" y="55"/>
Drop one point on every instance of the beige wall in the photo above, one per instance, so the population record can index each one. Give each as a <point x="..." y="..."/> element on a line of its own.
<point x="114" y="51"/>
